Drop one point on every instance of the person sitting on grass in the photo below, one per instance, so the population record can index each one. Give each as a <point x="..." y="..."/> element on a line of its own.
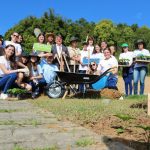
<point x="36" y="75"/>
<point x="93" y="69"/>
<point x="8" y="72"/>
<point x="22" y="77"/>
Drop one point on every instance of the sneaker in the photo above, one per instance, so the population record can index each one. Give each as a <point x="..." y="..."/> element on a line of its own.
<point x="3" y="96"/>
<point x="121" y="98"/>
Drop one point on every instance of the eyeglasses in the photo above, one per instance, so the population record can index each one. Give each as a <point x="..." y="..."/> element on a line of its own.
<point x="15" y="35"/>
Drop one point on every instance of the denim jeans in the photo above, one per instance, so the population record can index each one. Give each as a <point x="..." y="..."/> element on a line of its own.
<point x="7" y="81"/>
<point x="82" y="86"/>
<point x="128" y="83"/>
<point x="38" y="88"/>
<point x="112" y="82"/>
<point x="139" y="74"/>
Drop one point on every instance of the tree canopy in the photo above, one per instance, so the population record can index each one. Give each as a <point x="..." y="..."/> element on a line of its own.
<point x="104" y="30"/>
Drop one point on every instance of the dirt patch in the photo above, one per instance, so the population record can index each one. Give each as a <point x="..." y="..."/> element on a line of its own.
<point x="132" y="136"/>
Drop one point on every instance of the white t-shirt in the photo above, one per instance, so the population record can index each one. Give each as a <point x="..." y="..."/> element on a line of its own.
<point x="91" y="48"/>
<point x="138" y="52"/>
<point x="108" y="63"/>
<point x="16" y="45"/>
<point x="6" y="63"/>
<point x="127" y="55"/>
<point x="83" y="54"/>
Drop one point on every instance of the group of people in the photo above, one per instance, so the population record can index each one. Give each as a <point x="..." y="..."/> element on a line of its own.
<point x="37" y="69"/>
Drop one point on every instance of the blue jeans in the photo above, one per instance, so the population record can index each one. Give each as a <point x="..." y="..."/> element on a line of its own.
<point x="82" y="86"/>
<point x="112" y="82"/>
<point x="7" y="81"/>
<point x="139" y="74"/>
<point x="128" y="83"/>
<point x="38" y="88"/>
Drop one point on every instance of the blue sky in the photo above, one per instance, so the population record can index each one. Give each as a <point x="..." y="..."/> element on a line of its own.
<point x="119" y="11"/>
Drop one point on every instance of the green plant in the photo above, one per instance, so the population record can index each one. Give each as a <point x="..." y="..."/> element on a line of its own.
<point x="17" y="147"/>
<point x="125" y="118"/>
<point x="83" y="142"/>
<point x="124" y="61"/>
<point x="16" y="91"/>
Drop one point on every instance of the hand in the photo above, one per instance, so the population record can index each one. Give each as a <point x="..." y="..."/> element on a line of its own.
<point x="31" y="78"/>
<point x="22" y="70"/>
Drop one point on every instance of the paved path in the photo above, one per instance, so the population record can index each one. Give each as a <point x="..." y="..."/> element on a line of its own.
<point x="25" y="126"/>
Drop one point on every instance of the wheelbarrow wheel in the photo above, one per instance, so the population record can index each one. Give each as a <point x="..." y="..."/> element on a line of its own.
<point x="55" y="90"/>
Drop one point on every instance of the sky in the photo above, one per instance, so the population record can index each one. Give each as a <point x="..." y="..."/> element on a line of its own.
<point x="119" y="11"/>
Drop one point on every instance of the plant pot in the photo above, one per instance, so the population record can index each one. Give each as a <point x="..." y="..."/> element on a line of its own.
<point x="23" y="96"/>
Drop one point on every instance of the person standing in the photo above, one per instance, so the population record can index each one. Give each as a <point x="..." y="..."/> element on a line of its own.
<point x="104" y="45"/>
<point x="74" y="53"/>
<point x="127" y="72"/>
<point x="90" y="44"/>
<point x="14" y="38"/>
<point x="50" y="37"/>
<point x="140" y="69"/>
<point x="59" y="50"/>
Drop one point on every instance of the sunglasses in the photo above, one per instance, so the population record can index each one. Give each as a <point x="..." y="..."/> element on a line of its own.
<point x="93" y="64"/>
<point x="125" y="47"/>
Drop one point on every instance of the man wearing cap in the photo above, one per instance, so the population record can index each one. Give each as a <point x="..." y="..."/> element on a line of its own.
<point x="127" y="72"/>
<point x="140" y="69"/>
<point x="74" y="54"/>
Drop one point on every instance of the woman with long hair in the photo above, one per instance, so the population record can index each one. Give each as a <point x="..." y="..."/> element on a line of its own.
<point x="36" y="75"/>
<point x="140" y="69"/>
<point x="8" y="73"/>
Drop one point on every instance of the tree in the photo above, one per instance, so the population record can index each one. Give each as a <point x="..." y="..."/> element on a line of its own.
<point x="104" y="31"/>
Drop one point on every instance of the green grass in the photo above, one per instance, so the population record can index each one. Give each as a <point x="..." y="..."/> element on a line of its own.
<point x="53" y="147"/>
<point x="91" y="110"/>
<point x="83" y="142"/>
<point x="8" y="110"/>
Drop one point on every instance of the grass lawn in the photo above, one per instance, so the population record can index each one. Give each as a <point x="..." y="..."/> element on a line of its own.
<point x="91" y="110"/>
<point x="100" y="115"/>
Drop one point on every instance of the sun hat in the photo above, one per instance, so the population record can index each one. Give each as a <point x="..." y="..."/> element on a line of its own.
<point x="73" y="38"/>
<point x="49" y="34"/>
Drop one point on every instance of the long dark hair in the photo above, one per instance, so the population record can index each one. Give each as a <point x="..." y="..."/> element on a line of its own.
<point x="39" y="36"/>
<point x="34" y="65"/>
<point x="11" y="58"/>
<point x="94" y="50"/>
